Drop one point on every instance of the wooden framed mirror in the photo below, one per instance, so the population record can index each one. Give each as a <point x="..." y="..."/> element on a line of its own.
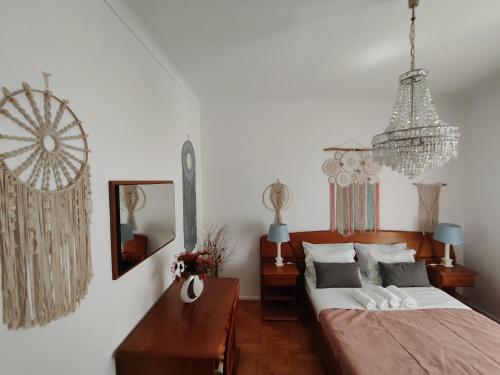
<point x="142" y="217"/>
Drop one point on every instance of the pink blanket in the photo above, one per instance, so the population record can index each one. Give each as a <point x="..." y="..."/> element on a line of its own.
<point x="435" y="341"/>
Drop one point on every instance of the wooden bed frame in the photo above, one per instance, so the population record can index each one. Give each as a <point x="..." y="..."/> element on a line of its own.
<point x="427" y="249"/>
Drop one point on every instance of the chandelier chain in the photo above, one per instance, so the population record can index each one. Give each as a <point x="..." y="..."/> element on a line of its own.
<point x="412" y="37"/>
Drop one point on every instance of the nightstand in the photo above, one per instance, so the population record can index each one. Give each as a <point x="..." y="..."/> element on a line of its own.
<point x="448" y="278"/>
<point x="279" y="291"/>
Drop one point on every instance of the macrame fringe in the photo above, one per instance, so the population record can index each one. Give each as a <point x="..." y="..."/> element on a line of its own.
<point x="428" y="207"/>
<point x="355" y="208"/>
<point x="44" y="250"/>
<point x="131" y="199"/>
<point x="333" y="211"/>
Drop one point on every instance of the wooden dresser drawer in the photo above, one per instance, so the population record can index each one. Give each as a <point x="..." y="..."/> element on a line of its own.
<point x="280" y="280"/>
<point x="449" y="278"/>
<point x="457" y="280"/>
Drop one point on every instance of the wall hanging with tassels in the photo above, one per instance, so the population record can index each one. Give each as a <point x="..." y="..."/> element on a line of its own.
<point x="277" y="197"/>
<point x="354" y="190"/>
<point x="428" y="205"/>
<point x="189" y="195"/>
<point x="133" y="199"/>
<point x="45" y="207"/>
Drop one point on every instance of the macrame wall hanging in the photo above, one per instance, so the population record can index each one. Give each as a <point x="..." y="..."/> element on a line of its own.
<point x="428" y="206"/>
<point x="354" y="190"/>
<point x="133" y="199"/>
<point x="189" y="195"/>
<point x="277" y="197"/>
<point x="45" y="207"/>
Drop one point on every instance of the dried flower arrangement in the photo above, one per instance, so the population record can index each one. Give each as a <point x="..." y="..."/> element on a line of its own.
<point x="216" y="243"/>
<point x="192" y="264"/>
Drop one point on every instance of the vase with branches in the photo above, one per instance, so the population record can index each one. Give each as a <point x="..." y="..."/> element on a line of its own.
<point x="217" y="243"/>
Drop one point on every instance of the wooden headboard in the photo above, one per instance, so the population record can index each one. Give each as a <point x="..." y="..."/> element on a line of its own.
<point x="426" y="248"/>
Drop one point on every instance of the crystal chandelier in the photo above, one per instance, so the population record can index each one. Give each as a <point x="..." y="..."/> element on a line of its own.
<point x="416" y="138"/>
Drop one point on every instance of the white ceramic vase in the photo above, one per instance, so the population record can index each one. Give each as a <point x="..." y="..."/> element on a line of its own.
<point x="191" y="289"/>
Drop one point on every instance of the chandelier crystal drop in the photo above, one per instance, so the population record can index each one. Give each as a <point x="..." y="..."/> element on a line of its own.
<point x="416" y="138"/>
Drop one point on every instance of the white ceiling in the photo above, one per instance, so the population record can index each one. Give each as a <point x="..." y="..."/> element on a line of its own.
<point x="300" y="49"/>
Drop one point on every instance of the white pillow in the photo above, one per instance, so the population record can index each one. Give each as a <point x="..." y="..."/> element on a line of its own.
<point x="326" y="253"/>
<point x="387" y="257"/>
<point x="362" y="250"/>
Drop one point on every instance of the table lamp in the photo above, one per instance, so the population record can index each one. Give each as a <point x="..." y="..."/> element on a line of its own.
<point x="449" y="234"/>
<point x="278" y="233"/>
<point x="126" y="233"/>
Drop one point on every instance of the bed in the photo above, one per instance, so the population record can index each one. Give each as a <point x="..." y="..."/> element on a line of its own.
<point x="440" y="336"/>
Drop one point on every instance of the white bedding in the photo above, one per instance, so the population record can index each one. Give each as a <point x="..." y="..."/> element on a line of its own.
<point x="341" y="298"/>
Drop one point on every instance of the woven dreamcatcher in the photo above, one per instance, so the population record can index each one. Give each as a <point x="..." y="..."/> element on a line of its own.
<point x="277" y="197"/>
<point x="45" y="207"/>
<point x="354" y="190"/>
<point x="189" y="195"/>
<point x="132" y="199"/>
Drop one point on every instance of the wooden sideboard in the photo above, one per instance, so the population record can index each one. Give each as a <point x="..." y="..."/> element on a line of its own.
<point x="184" y="339"/>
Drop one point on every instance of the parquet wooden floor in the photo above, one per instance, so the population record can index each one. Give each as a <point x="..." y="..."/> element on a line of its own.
<point x="274" y="348"/>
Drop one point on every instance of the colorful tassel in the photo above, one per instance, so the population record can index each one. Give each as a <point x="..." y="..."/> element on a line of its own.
<point x="355" y="208"/>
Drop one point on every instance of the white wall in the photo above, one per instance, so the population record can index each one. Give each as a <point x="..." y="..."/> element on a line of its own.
<point x="246" y="146"/>
<point x="482" y="193"/>
<point x="138" y="117"/>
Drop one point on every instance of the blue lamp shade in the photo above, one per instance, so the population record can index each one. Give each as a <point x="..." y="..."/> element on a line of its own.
<point x="278" y="233"/>
<point x="126" y="233"/>
<point x="449" y="234"/>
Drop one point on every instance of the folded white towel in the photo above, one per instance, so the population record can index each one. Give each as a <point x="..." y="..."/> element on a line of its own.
<point x="407" y="300"/>
<point x="363" y="299"/>
<point x="394" y="300"/>
<point x="381" y="302"/>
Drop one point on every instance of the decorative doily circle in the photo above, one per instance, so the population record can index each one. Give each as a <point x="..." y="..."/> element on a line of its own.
<point x="371" y="167"/>
<point x="351" y="161"/>
<point x="344" y="179"/>
<point x="372" y="180"/>
<point x="358" y="177"/>
<point x="331" y="167"/>
<point x="338" y="155"/>
<point x="46" y="146"/>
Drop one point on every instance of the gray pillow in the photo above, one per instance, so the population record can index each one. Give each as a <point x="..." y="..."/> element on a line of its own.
<point x="337" y="275"/>
<point x="404" y="274"/>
